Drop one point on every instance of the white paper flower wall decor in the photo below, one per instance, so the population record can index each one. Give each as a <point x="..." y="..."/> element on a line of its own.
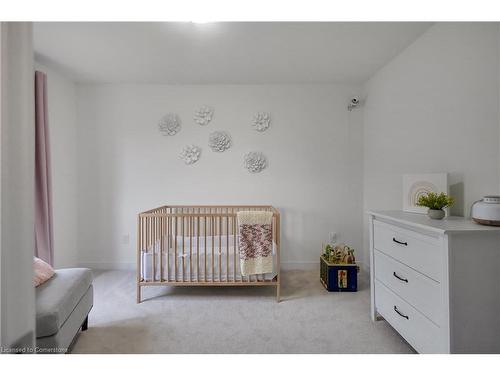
<point x="255" y="162"/>
<point x="261" y="121"/>
<point x="190" y="154"/>
<point x="219" y="141"/>
<point x="170" y="124"/>
<point x="203" y="115"/>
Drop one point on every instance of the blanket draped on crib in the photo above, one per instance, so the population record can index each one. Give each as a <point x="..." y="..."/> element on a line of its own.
<point x="255" y="242"/>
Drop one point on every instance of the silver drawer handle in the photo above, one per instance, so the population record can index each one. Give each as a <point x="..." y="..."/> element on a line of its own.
<point x="400" y="242"/>
<point x="399" y="277"/>
<point x="401" y="314"/>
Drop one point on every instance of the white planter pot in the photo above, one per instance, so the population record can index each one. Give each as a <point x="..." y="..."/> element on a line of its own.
<point x="436" y="214"/>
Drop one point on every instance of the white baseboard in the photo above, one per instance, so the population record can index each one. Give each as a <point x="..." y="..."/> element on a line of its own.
<point x="307" y="265"/>
<point x="123" y="266"/>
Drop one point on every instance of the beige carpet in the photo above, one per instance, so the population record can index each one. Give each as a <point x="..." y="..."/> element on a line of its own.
<point x="233" y="319"/>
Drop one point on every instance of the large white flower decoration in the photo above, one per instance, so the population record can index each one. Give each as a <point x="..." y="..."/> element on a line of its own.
<point x="204" y="115"/>
<point x="255" y="162"/>
<point x="170" y="124"/>
<point x="261" y="121"/>
<point x="190" y="154"/>
<point x="219" y="141"/>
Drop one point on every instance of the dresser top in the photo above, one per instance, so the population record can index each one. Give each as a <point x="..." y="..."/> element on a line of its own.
<point x="448" y="224"/>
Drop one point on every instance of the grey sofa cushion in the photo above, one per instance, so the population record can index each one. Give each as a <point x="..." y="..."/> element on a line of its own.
<point x="57" y="298"/>
<point x="61" y="341"/>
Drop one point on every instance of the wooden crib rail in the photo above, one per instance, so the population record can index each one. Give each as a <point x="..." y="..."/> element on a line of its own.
<point x="205" y="228"/>
<point x="208" y="209"/>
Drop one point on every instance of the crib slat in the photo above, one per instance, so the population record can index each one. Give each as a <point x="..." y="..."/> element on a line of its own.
<point x="205" y="247"/>
<point x="160" y="239"/>
<point x="160" y="245"/>
<point x="183" y="236"/>
<point x="198" y="248"/>
<point x="154" y="245"/>
<point x="220" y="247"/>
<point x="190" y="248"/>
<point x="212" y="221"/>
<point x="165" y="227"/>
<point x="139" y="257"/>
<point x="175" y="247"/>
<point x="227" y="247"/>
<point x="143" y="248"/>
<point x="234" y="247"/>
<point x="168" y="247"/>
<point x="151" y="246"/>
<point x="169" y="229"/>
<point x="157" y="236"/>
<point x="148" y="233"/>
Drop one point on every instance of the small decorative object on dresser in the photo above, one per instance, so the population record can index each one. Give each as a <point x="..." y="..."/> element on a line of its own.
<point x="434" y="281"/>
<point x="487" y="210"/>
<point x="416" y="185"/>
<point x="436" y="204"/>
<point x="338" y="270"/>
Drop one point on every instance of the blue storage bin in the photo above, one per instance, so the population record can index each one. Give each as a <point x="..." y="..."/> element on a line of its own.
<point x="338" y="277"/>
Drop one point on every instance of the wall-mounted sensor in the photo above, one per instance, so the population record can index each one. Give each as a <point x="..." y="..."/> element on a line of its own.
<point x="353" y="103"/>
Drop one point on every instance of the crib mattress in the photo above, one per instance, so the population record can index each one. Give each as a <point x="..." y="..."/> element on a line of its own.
<point x="201" y="261"/>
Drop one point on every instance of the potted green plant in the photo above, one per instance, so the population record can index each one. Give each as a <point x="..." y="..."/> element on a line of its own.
<point x="436" y="204"/>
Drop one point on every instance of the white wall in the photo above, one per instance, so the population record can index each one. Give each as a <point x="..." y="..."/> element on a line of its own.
<point x="434" y="108"/>
<point x="126" y="166"/>
<point x="63" y="142"/>
<point x="17" y="186"/>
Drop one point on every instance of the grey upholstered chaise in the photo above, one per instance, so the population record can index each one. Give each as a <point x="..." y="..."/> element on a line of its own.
<point x="62" y="307"/>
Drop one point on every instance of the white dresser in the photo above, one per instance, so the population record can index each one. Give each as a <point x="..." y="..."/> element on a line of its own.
<point x="437" y="282"/>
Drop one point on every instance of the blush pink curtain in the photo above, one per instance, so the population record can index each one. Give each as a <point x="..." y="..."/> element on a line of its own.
<point x="43" y="184"/>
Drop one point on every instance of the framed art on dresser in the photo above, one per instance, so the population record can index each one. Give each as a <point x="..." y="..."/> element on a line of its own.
<point x="416" y="185"/>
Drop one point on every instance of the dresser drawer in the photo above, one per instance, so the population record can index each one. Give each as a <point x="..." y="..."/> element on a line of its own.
<point x="418" y="330"/>
<point x="418" y="290"/>
<point x="420" y="252"/>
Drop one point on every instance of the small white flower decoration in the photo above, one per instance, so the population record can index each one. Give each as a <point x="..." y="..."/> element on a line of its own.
<point x="204" y="115"/>
<point x="219" y="141"/>
<point x="255" y="162"/>
<point x="170" y="124"/>
<point x="190" y="154"/>
<point x="261" y="121"/>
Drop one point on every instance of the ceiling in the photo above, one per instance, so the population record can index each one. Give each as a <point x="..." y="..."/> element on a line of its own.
<point x="232" y="53"/>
